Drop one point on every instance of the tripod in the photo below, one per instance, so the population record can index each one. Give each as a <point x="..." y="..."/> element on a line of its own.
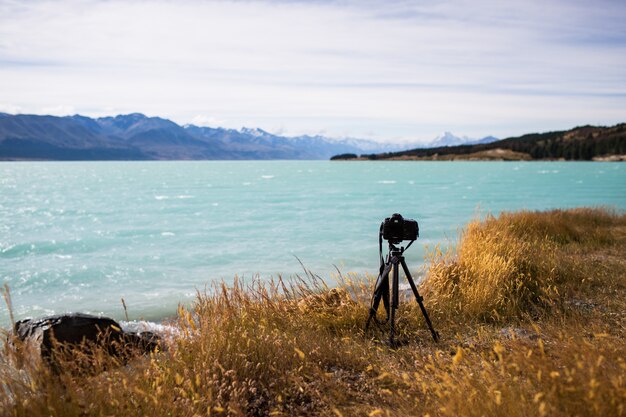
<point x="395" y="259"/>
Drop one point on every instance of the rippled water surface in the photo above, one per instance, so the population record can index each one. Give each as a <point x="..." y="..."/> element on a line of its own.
<point x="79" y="236"/>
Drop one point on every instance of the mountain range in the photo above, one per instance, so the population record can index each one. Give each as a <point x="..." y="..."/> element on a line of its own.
<point x="138" y="137"/>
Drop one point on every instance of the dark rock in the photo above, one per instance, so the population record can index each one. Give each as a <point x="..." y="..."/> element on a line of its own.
<point x="79" y="332"/>
<point x="144" y="341"/>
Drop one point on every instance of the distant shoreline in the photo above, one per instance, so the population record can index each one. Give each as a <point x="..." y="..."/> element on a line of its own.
<point x="451" y="158"/>
<point x="496" y="155"/>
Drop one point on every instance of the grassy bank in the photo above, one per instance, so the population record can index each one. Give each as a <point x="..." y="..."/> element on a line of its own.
<point x="530" y="308"/>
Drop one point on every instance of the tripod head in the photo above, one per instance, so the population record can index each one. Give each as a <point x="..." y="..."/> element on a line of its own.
<point x="394" y="249"/>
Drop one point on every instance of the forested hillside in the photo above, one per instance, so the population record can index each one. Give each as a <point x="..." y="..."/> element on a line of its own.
<point x="580" y="143"/>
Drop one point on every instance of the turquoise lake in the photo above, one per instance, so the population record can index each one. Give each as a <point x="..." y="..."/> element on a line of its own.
<point x="79" y="236"/>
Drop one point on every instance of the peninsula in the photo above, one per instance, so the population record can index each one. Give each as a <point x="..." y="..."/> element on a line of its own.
<point x="585" y="143"/>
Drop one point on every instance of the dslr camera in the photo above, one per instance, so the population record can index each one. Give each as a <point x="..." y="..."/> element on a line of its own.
<point x="396" y="228"/>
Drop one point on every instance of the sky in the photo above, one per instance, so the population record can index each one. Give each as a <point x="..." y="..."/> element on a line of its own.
<point x="395" y="70"/>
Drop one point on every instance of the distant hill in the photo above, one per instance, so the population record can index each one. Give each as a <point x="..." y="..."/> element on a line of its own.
<point x="138" y="137"/>
<point x="580" y="143"/>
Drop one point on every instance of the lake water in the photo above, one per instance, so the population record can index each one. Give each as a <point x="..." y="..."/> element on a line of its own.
<point x="79" y="236"/>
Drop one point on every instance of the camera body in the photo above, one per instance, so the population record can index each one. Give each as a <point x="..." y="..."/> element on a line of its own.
<point x="396" y="228"/>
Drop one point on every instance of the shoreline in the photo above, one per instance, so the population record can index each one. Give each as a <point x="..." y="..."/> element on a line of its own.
<point x="550" y="344"/>
<point x="482" y="157"/>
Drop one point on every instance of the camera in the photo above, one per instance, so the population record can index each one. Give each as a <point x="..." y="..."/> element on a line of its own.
<point x="396" y="228"/>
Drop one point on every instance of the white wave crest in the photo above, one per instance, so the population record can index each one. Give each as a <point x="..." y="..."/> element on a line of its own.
<point x="149" y="326"/>
<point x="548" y="171"/>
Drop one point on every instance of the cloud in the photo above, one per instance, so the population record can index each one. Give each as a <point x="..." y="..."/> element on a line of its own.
<point x="358" y="68"/>
<point x="207" y="121"/>
<point x="59" y="110"/>
<point x="10" y="108"/>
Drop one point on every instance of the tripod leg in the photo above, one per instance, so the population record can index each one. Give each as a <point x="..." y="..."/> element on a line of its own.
<point x="381" y="291"/>
<point x="419" y="299"/>
<point x="385" y="292"/>
<point x="394" y="300"/>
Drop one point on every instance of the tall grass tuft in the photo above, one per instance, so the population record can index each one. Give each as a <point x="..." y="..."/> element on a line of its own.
<point x="517" y="264"/>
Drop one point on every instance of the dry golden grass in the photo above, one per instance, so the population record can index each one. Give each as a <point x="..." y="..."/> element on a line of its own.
<point x="522" y="263"/>
<point x="530" y="309"/>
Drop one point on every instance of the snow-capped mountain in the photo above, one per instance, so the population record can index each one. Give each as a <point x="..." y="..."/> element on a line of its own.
<point x="254" y="132"/>
<point x="449" y="139"/>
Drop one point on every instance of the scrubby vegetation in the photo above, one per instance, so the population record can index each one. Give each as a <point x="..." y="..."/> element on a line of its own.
<point x="530" y="307"/>
<point x="344" y="156"/>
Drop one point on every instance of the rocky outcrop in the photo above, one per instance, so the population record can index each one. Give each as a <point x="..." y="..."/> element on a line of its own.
<point x="82" y="333"/>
